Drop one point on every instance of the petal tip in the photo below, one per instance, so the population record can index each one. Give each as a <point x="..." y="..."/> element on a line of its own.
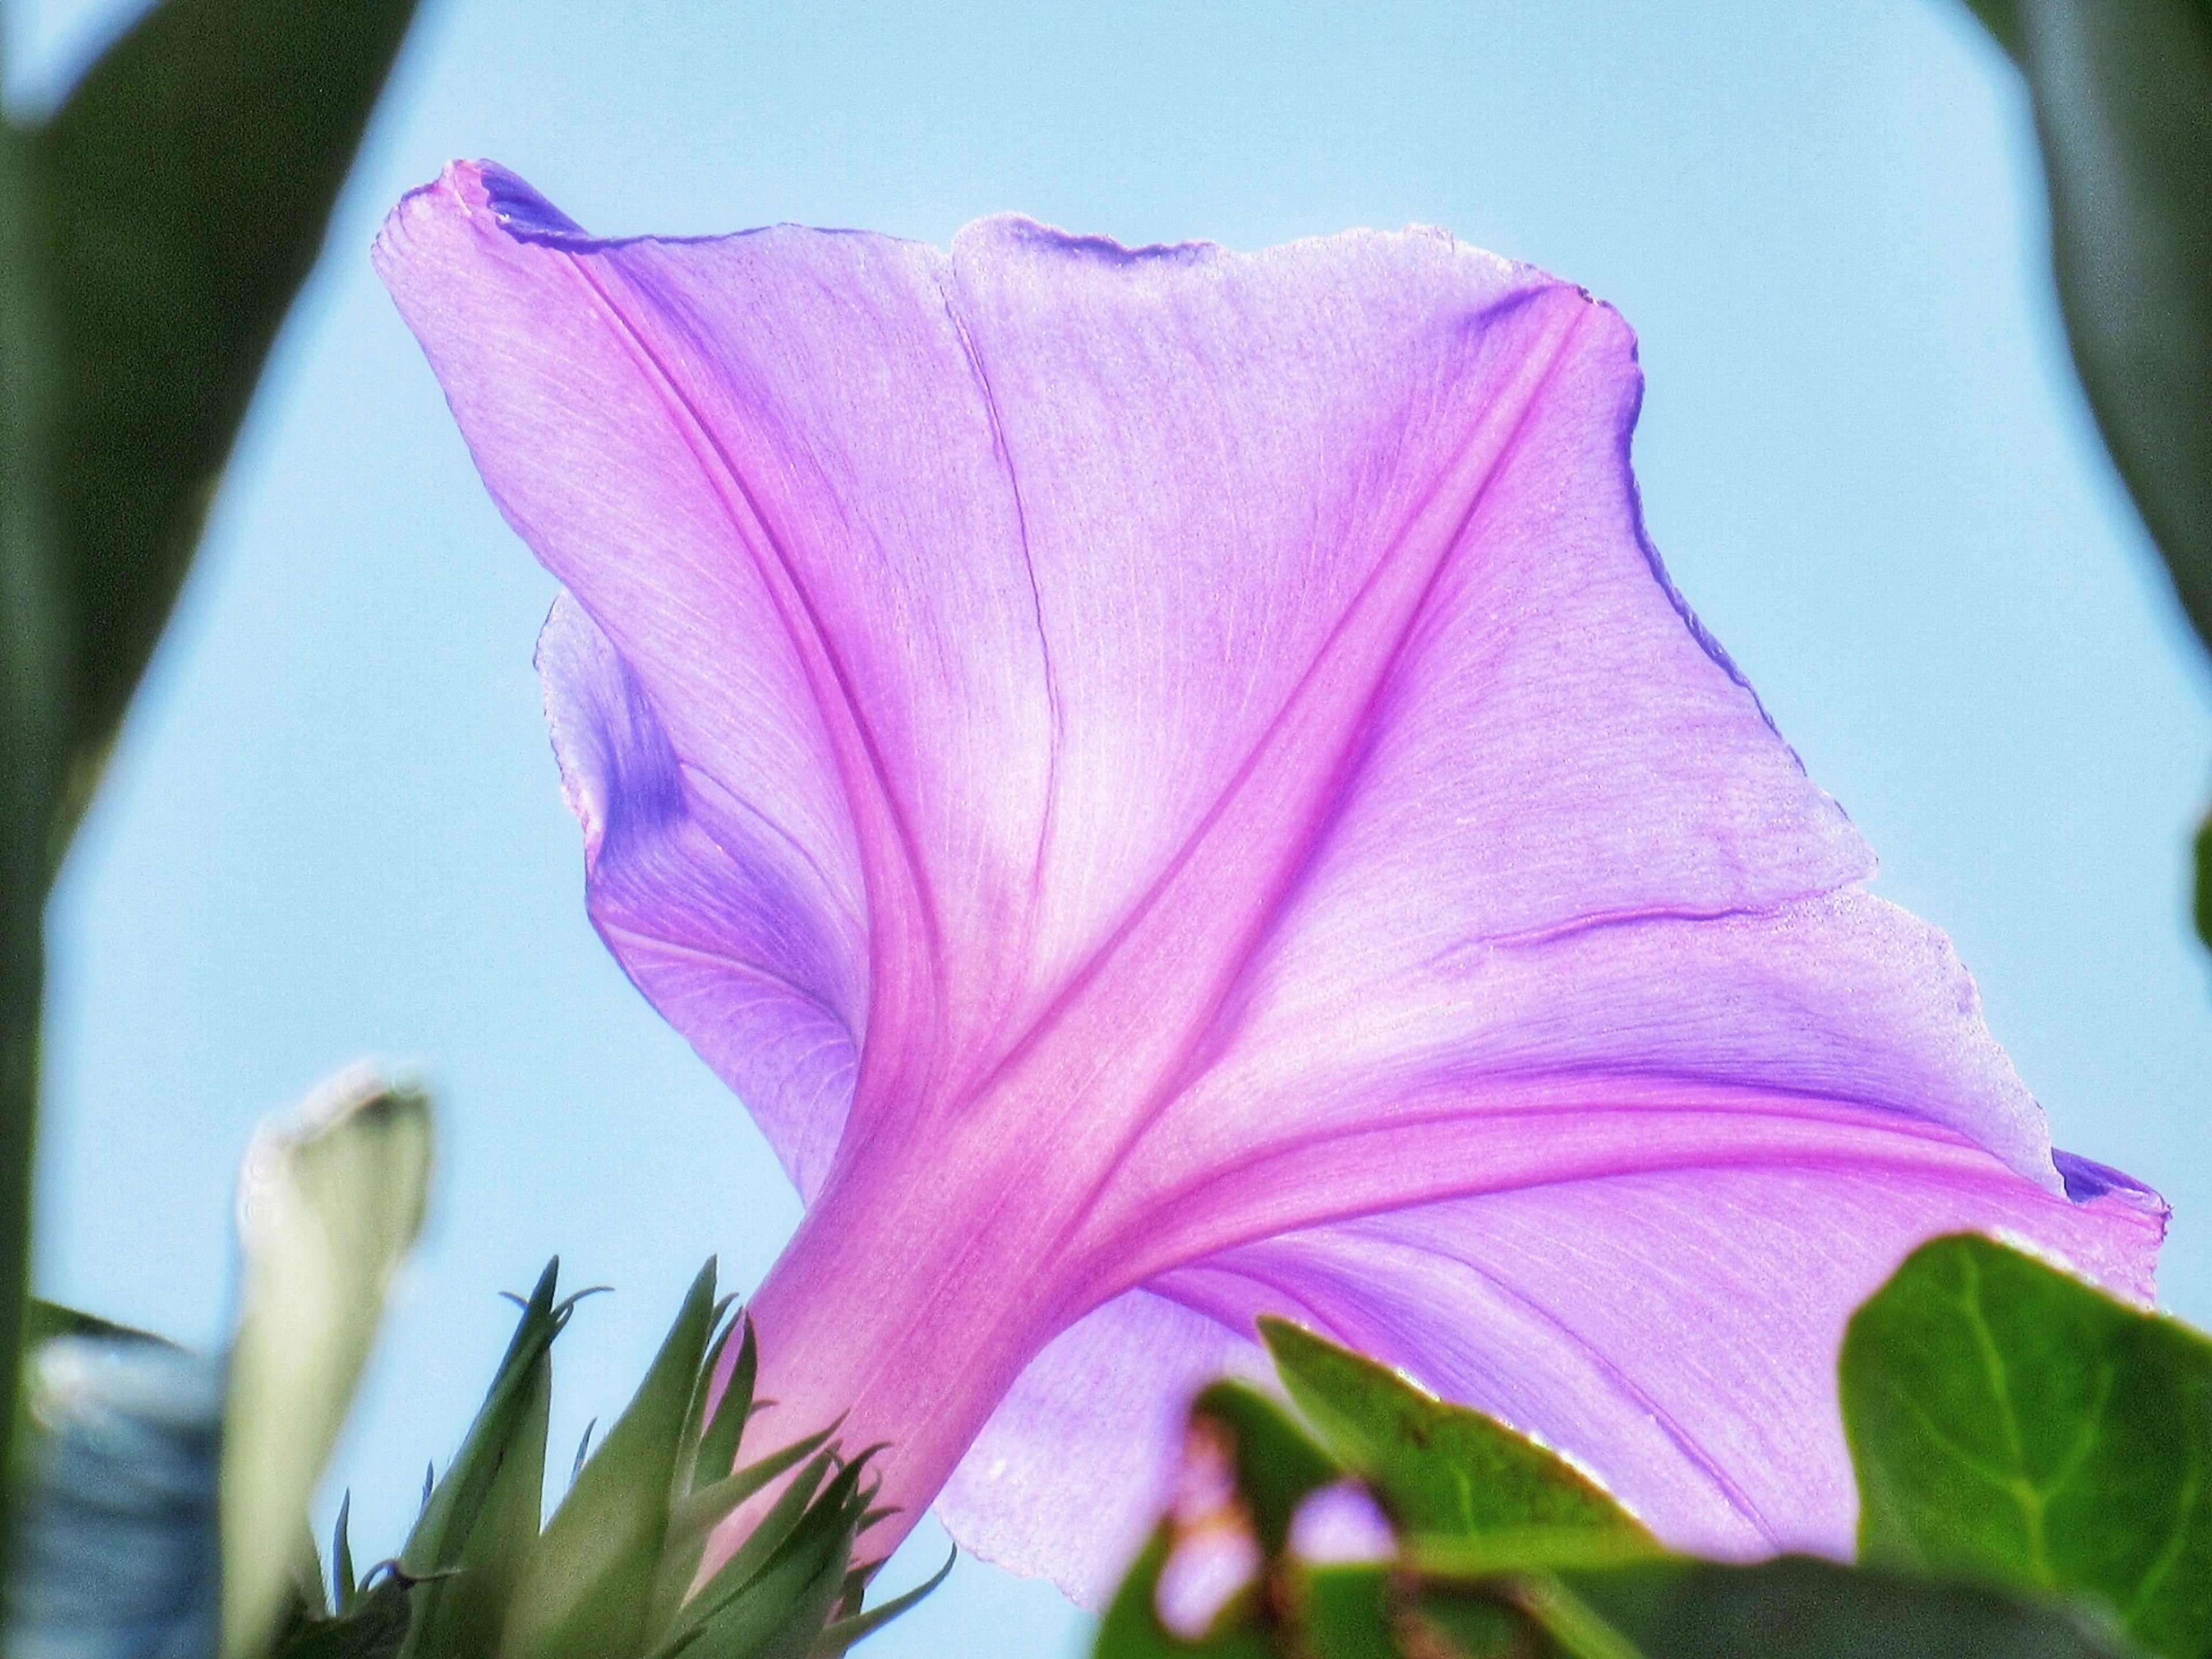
<point x="2086" y="1181"/>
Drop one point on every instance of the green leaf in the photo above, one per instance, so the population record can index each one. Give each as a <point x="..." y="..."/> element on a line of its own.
<point x="1798" y="1607"/>
<point x="467" y="1547"/>
<point x="2013" y="1424"/>
<point x="1443" y="1469"/>
<point x="329" y="1204"/>
<point x="1342" y="1611"/>
<point x="1132" y="1628"/>
<point x="182" y="195"/>
<point x="2123" y="97"/>
<point x="1278" y="1466"/>
<point x="586" y="1588"/>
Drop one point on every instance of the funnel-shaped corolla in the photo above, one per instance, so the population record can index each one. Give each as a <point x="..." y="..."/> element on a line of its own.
<point x="1174" y="785"/>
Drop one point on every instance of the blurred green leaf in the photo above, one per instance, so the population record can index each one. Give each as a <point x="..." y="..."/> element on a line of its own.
<point x="1438" y="1469"/>
<point x="1277" y="1465"/>
<point x="2002" y="19"/>
<point x="586" y="1588"/>
<point x="329" y="1206"/>
<point x="468" y="1546"/>
<point x="2203" y="906"/>
<point x="2012" y="1423"/>
<point x="1131" y="1628"/>
<point x="182" y="193"/>
<point x="1798" y="1607"/>
<point x="1343" y="1611"/>
<point x="43" y="1320"/>
<point x="2123" y="97"/>
<point x="33" y="735"/>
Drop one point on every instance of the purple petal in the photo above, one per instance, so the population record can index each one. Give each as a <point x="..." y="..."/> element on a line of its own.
<point x="731" y="940"/>
<point x="1676" y="1331"/>
<point x="1078" y="1461"/>
<point x="1174" y="783"/>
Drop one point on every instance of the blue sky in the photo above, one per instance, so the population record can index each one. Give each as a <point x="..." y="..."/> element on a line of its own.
<point x="333" y="827"/>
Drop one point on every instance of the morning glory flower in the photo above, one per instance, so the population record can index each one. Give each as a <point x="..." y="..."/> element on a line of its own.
<point x="1174" y="785"/>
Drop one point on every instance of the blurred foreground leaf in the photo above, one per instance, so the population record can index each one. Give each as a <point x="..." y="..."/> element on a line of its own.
<point x="2013" y="1424"/>
<point x="328" y="1208"/>
<point x="1798" y="1607"/>
<point x="2202" y="907"/>
<point x="182" y="193"/>
<point x="2123" y="97"/>
<point x="152" y="234"/>
<point x="1276" y="1465"/>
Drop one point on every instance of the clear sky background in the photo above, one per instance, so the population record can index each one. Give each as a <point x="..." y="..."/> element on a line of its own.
<point x="333" y="827"/>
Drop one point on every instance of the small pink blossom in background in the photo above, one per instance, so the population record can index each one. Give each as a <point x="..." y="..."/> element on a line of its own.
<point x="1174" y="785"/>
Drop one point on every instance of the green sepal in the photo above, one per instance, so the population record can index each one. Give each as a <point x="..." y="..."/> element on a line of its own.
<point x="678" y="1614"/>
<point x="345" y="1587"/>
<point x="586" y="1589"/>
<point x="462" y="1615"/>
<point x="718" y="1446"/>
<point x="468" y="1546"/>
<point x="374" y="1627"/>
<point x="774" y="1602"/>
<point x="2013" y="1425"/>
<point x="694" y="1516"/>
<point x="841" y="1633"/>
<point x="1440" y="1468"/>
<point x="182" y="194"/>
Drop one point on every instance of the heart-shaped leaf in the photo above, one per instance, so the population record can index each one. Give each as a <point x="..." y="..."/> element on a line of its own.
<point x="2012" y="1423"/>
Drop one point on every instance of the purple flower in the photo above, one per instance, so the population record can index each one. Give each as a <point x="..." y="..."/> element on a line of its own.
<point x="1173" y="785"/>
